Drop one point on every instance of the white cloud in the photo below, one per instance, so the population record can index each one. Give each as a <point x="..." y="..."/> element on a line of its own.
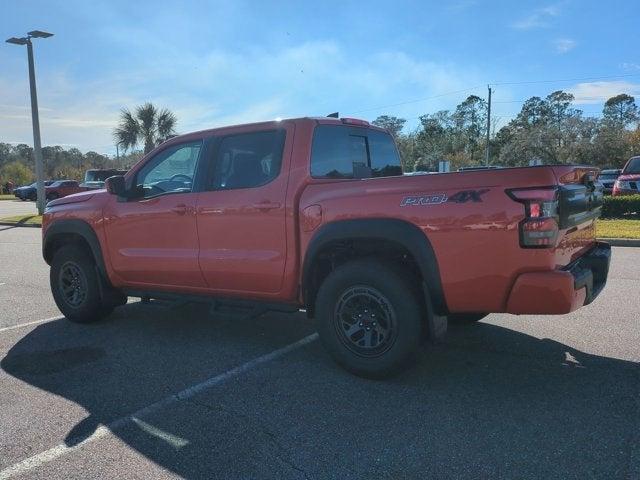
<point x="226" y="87"/>
<point x="634" y="67"/>
<point x="564" y="45"/>
<point x="538" y="18"/>
<point x="600" y="92"/>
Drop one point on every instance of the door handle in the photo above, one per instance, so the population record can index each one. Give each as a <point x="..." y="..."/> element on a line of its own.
<point x="179" y="209"/>
<point x="264" y="206"/>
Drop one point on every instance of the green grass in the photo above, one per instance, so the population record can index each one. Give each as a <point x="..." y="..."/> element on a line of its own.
<point x="23" y="220"/>
<point x="618" y="229"/>
<point x="7" y="197"/>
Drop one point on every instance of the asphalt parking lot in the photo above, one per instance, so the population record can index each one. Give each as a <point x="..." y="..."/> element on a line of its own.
<point x="164" y="391"/>
<point x="16" y="207"/>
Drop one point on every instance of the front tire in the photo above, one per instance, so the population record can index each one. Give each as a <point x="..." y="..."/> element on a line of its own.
<point x="369" y="317"/>
<point x="75" y="285"/>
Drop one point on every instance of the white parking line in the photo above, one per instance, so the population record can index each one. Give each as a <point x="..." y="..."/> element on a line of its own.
<point x="35" y="322"/>
<point x="63" y="449"/>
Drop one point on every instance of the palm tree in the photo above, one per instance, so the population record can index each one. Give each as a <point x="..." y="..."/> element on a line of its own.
<point x="148" y="125"/>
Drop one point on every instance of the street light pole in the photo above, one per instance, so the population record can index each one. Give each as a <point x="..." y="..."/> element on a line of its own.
<point x="37" y="147"/>
<point x="35" y="120"/>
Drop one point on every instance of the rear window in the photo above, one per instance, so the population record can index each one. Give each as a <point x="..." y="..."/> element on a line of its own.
<point x="347" y="152"/>
<point x="248" y="160"/>
<point x="633" y="167"/>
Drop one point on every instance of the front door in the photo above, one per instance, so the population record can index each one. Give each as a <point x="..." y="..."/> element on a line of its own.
<point x="241" y="213"/>
<point x="152" y="238"/>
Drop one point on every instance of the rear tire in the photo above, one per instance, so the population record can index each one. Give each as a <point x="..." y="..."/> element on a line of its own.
<point x="369" y="317"/>
<point x="75" y="285"/>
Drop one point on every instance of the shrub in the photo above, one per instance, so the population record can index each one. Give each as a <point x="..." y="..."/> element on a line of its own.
<point x="627" y="206"/>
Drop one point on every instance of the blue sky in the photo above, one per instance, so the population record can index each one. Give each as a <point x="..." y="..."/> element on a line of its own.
<point x="222" y="62"/>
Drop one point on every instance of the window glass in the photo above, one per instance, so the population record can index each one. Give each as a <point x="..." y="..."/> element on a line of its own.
<point x="385" y="161"/>
<point x="608" y="176"/>
<point x="248" y="160"/>
<point x="633" y="167"/>
<point x="171" y="171"/>
<point x="343" y="152"/>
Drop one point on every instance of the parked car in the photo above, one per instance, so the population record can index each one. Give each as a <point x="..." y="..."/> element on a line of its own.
<point x="94" y="179"/>
<point x="608" y="179"/>
<point x="29" y="192"/>
<point x="628" y="183"/>
<point x="62" y="188"/>
<point x="256" y="218"/>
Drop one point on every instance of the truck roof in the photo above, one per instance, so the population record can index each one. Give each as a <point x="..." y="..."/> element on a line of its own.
<point x="356" y="122"/>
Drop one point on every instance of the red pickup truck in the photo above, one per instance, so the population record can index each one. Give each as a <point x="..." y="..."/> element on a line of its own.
<point x="316" y="214"/>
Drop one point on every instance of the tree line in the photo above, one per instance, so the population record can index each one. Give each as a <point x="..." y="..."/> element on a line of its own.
<point x="549" y="130"/>
<point x="17" y="163"/>
<point x="146" y="126"/>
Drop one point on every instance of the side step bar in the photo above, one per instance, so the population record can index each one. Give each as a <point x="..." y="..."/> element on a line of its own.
<point x="230" y="307"/>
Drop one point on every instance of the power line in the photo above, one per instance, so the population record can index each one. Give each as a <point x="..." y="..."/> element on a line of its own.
<point x="417" y="100"/>
<point x="527" y="82"/>
<point x="605" y="77"/>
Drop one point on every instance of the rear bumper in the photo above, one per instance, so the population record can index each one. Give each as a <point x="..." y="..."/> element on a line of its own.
<point x="562" y="291"/>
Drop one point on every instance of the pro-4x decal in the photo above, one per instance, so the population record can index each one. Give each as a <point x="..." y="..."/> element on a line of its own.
<point x="468" y="196"/>
<point x="438" y="198"/>
<point x="424" y="199"/>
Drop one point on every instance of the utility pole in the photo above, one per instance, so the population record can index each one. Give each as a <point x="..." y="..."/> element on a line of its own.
<point x="486" y="153"/>
<point x="37" y="148"/>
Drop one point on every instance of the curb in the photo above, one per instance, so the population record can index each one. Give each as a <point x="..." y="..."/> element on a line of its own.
<point x="18" y="225"/>
<point x="621" y="242"/>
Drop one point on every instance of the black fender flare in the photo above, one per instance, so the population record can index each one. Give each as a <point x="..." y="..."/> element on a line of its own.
<point x="74" y="227"/>
<point x="398" y="231"/>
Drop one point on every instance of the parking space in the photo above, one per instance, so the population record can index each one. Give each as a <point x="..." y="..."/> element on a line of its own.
<point x="510" y="397"/>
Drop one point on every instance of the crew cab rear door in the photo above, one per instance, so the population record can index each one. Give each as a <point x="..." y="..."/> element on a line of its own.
<point x="152" y="237"/>
<point x="241" y="211"/>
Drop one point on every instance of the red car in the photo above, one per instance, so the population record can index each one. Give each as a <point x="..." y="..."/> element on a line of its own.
<point x="62" y="188"/>
<point x="628" y="183"/>
<point x="316" y="214"/>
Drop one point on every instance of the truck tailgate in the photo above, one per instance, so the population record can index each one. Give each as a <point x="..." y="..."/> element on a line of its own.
<point x="580" y="200"/>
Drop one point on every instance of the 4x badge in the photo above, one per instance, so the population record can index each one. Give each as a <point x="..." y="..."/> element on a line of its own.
<point x="463" y="196"/>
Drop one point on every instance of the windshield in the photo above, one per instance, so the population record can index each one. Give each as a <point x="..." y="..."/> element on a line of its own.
<point x="101" y="175"/>
<point x="608" y="176"/>
<point x="633" y="167"/>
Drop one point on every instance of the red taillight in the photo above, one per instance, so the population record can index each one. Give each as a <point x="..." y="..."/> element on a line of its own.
<point x="539" y="229"/>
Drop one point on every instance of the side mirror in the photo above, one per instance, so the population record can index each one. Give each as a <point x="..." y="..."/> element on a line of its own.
<point x="116" y="186"/>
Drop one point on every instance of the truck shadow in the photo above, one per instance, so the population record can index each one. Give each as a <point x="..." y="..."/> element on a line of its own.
<point x="489" y="402"/>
